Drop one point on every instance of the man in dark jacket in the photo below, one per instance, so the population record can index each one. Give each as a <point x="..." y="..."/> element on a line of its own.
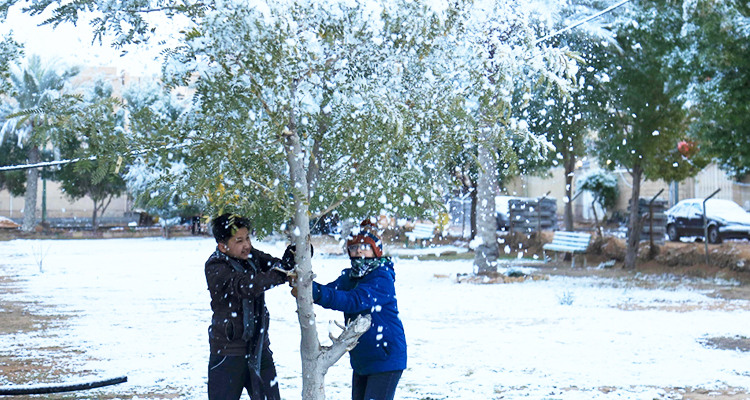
<point x="238" y="275"/>
<point x="368" y="287"/>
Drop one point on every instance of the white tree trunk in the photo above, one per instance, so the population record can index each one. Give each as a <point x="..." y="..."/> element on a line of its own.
<point x="316" y="359"/>
<point x="486" y="254"/>
<point x="32" y="183"/>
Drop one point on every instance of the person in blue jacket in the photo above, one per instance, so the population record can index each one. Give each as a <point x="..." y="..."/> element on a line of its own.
<point x="368" y="287"/>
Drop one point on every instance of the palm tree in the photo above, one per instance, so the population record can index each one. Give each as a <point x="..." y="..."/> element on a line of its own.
<point x="33" y="87"/>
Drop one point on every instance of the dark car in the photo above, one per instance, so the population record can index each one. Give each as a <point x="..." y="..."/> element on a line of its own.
<point x="726" y="219"/>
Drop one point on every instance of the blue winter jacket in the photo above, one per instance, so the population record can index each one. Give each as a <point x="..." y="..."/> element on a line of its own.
<point x="383" y="347"/>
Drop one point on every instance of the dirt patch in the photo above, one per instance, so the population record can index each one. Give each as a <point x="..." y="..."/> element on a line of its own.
<point x="729" y="393"/>
<point x="496" y="277"/>
<point x="734" y="255"/>
<point x="728" y="262"/>
<point x="737" y="343"/>
<point x="20" y="316"/>
<point x="608" y="247"/>
<point x="683" y="308"/>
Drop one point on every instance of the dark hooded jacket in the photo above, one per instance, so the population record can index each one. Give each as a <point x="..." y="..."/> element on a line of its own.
<point x="383" y="347"/>
<point x="228" y="288"/>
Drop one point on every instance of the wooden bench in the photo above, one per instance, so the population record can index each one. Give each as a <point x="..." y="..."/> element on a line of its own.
<point x="421" y="231"/>
<point x="568" y="242"/>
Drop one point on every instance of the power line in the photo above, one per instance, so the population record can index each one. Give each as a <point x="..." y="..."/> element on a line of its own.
<point x="43" y="164"/>
<point x="583" y="21"/>
<point x="92" y="158"/>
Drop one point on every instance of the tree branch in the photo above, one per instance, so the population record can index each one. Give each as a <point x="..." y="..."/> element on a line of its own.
<point x="329" y="208"/>
<point x="345" y="342"/>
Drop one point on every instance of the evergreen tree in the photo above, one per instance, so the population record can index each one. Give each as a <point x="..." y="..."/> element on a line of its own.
<point x="719" y="73"/>
<point x="642" y="117"/>
<point x="565" y="118"/>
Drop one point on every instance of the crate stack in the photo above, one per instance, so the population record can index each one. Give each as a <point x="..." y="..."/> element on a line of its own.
<point x="656" y="221"/>
<point x="531" y="215"/>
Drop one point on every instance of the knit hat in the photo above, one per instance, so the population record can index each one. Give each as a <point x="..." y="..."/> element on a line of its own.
<point x="368" y="233"/>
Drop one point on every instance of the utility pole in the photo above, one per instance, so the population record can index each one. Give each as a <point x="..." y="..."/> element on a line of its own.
<point x="44" y="196"/>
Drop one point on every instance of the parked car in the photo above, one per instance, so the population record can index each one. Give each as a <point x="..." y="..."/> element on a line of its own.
<point x="726" y="219"/>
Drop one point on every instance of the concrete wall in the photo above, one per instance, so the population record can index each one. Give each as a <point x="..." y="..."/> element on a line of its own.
<point x="59" y="206"/>
<point x="649" y="189"/>
<point x="537" y="186"/>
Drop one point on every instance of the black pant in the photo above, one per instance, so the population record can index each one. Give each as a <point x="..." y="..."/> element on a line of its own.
<point x="380" y="386"/>
<point x="228" y="375"/>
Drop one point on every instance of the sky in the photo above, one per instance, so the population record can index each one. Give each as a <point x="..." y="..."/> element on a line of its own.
<point x="139" y="307"/>
<point x="73" y="44"/>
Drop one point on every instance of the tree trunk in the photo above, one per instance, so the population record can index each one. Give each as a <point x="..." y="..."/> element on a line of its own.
<point x="634" y="222"/>
<point x="316" y="359"/>
<point x="94" y="222"/>
<point x="485" y="259"/>
<point x="596" y="219"/>
<point x="570" y="165"/>
<point x="473" y="215"/>
<point x="99" y="210"/>
<point x="32" y="181"/>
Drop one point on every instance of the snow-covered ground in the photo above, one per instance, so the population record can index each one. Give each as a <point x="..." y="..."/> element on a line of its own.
<point x="139" y="307"/>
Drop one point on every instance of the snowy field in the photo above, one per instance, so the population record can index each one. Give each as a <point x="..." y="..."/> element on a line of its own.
<point x="139" y="307"/>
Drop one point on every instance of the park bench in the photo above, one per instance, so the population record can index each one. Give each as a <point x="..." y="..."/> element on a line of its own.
<point x="421" y="231"/>
<point x="568" y="242"/>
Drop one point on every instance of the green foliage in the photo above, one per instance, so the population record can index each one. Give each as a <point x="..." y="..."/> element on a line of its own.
<point x="317" y="74"/>
<point x="602" y="185"/>
<point x="11" y="154"/>
<point x="501" y="81"/>
<point x="720" y="68"/>
<point x="642" y="117"/>
<point x="564" y="119"/>
<point x="93" y="125"/>
<point x="155" y="178"/>
<point x="352" y="87"/>
<point x="10" y="51"/>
